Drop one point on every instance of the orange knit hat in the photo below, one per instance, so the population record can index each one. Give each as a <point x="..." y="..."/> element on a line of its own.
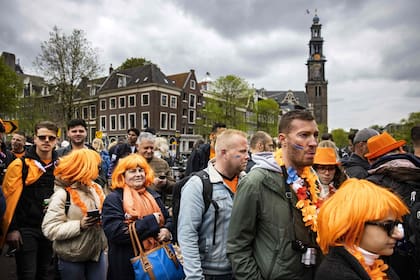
<point x="381" y="144"/>
<point x="325" y="156"/>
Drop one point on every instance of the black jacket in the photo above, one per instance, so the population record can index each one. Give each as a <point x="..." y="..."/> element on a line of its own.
<point x="356" y="167"/>
<point x="339" y="264"/>
<point x="198" y="159"/>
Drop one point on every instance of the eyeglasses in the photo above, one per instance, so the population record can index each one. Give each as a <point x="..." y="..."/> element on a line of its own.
<point x="45" y="137"/>
<point x="324" y="168"/>
<point x="388" y="226"/>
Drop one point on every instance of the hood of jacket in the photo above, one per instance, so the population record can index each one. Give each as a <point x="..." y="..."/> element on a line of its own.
<point x="265" y="160"/>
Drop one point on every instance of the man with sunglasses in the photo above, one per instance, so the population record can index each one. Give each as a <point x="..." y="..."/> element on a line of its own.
<point x="28" y="185"/>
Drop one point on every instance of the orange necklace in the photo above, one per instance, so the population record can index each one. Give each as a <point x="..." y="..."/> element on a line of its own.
<point x="74" y="195"/>
<point x="308" y="204"/>
<point x="376" y="270"/>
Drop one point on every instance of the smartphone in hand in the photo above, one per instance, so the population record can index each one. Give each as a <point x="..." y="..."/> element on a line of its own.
<point x="93" y="213"/>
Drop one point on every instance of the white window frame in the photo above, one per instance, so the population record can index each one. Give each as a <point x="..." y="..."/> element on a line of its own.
<point x="173" y="101"/>
<point x="123" y="99"/>
<point x="162" y="98"/>
<point x="192" y="99"/>
<point x="113" y="118"/>
<point x="102" y="123"/>
<point x="122" y="121"/>
<point x="172" y="121"/>
<point x="193" y="117"/>
<point x="148" y="120"/>
<point x="85" y="112"/>
<point x="163" y="120"/>
<point x="122" y="81"/>
<point x="132" y="115"/>
<point x="102" y="104"/>
<point x="148" y="99"/>
<point x="113" y="99"/>
<point x="131" y="97"/>
<point x="192" y="84"/>
<point x="92" y="108"/>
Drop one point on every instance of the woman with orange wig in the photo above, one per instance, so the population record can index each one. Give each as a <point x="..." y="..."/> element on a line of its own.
<point x="132" y="201"/>
<point x="356" y="226"/>
<point x="72" y="220"/>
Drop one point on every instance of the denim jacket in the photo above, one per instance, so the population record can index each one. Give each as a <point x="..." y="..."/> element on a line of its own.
<point x="195" y="228"/>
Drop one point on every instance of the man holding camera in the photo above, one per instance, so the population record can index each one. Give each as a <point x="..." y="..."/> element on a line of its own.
<point x="164" y="180"/>
<point x="272" y="230"/>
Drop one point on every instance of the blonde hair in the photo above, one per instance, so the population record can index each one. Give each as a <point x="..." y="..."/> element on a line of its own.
<point x="79" y="166"/>
<point x="342" y="218"/>
<point x="225" y="141"/>
<point x="98" y="144"/>
<point x="131" y="161"/>
<point x="161" y="145"/>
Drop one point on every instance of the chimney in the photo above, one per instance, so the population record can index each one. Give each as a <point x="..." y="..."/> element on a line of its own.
<point x="111" y="69"/>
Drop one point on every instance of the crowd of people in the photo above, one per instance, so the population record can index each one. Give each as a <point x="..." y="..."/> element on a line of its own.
<point x="290" y="207"/>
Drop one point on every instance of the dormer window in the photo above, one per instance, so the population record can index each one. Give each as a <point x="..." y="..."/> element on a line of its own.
<point x="122" y="81"/>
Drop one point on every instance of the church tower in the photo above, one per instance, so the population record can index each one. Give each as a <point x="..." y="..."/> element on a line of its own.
<point x="316" y="86"/>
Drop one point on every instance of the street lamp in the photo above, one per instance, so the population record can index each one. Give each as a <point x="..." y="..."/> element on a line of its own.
<point x="178" y="138"/>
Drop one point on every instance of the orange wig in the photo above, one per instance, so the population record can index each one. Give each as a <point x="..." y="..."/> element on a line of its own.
<point x="79" y="166"/>
<point x="131" y="161"/>
<point x="341" y="219"/>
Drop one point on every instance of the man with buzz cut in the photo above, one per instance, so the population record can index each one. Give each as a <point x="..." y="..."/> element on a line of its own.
<point x="28" y="185"/>
<point x="202" y="234"/>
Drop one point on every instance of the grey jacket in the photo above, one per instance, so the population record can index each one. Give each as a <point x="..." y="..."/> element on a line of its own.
<point x="261" y="229"/>
<point x="196" y="228"/>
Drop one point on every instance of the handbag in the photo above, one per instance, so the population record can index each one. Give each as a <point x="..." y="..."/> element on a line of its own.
<point x="160" y="263"/>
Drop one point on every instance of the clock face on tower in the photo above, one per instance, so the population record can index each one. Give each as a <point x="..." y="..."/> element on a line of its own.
<point x="317" y="56"/>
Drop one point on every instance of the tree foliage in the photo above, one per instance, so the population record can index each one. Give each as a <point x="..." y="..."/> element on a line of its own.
<point x="10" y="90"/>
<point x="267" y="115"/>
<point x="228" y="102"/>
<point x="65" y="60"/>
<point x="133" y="62"/>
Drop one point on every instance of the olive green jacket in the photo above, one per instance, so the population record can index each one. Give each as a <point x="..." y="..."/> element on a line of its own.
<point x="261" y="233"/>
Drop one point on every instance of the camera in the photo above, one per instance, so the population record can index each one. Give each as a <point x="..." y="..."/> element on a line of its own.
<point x="162" y="177"/>
<point x="299" y="246"/>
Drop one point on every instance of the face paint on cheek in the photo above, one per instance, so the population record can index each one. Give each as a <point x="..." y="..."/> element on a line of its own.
<point x="297" y="147"/>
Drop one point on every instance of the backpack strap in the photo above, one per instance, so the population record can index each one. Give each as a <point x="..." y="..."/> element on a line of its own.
<point x="68" y="202"/>
<point x="208" y="198"/>
<point x="25" y="169"/>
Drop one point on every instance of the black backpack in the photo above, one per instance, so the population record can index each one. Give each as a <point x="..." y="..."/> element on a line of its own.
<point x="207" y="197"/>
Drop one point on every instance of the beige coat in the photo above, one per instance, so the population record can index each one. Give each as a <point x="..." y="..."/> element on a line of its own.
<point x="69" y="242"/>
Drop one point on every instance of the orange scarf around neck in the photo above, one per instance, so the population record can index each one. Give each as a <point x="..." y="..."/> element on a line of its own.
<point x="140" y="203"/>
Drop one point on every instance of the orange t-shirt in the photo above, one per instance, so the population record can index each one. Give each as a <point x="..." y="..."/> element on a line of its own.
<point x="232" y="183"/>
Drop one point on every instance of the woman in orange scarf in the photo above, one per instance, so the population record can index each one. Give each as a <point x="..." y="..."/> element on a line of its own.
<point x="356" y="226"/>
<point x="132" y="201"/>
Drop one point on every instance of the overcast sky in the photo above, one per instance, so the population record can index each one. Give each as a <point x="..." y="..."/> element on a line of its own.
<point x="372" y="46"/>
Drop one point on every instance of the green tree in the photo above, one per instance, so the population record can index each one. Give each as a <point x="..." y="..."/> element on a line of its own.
<point x="340" y="137"/>
<point x="267" y="114"/>
<point x="227" y="102"/>
<point x="65" y="60"/>
<point x="11" y="87"/>
<point x="134" y="62"/>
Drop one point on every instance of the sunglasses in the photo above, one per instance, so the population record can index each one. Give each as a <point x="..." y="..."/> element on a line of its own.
<point x="45" y="137"/>
<point x="388" y="226"/>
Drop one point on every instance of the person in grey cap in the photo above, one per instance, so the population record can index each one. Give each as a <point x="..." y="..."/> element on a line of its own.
<point x="357" y="165"/>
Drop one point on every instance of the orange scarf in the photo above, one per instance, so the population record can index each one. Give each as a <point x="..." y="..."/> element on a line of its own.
<point x="140" y="203"/>
<point x="376" y="271"/>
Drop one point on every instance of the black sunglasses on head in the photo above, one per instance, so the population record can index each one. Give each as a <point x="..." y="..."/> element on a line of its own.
<point x="388" y="226"/>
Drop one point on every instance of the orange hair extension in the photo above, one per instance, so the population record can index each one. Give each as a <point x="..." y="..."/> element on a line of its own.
<point x="79" y="166"/>
<point x="131" y="161"/>
<point x="341" y="219"/>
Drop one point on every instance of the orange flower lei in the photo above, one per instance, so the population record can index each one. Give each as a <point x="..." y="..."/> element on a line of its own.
<point x="376" y="270"/>
<point x="74" y="195"/>
<point x="307" y="205"/>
